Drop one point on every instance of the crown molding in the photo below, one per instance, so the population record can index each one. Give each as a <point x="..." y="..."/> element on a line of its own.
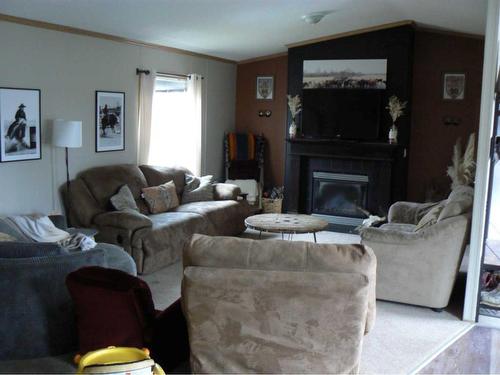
<point x="262" y="58"/>
<point x="113" y="38"/>
<point x="351" y="33"/>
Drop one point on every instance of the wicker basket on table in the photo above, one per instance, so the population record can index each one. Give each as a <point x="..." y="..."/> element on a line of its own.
<point x="271" y="206"/>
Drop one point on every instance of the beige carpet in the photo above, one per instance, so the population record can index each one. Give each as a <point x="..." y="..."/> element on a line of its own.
<point x="403" y="338"/>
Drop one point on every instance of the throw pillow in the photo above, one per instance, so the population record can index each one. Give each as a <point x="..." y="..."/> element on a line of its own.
<point x="431" y="217"/>
<point x="459" y="202"/>
<point x="161" y="198"/>
<point x="198" y="189"/>
<point x="4" y="237"/>
<point x="124" y="199"/>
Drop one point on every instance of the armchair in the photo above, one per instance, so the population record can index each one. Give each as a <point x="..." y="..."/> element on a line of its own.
<point x="416" y="265"/>
<point x="276" y="306"/>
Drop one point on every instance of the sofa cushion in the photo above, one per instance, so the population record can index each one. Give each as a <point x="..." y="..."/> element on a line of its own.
<point x="104" y="182"/>
<point x="169" y="234"/>
<point x="159" y="175"/>
<point x="39" y="311"/>
<point x="124" y="199"/>
<point x="161" y="198"/>
<point x="226" y="217"/>
<point x="459" y="202"/>
<point x="400" y="227"/>
<point x="198" y="189"/>
<point x="112" y="308"/>
<point x="29" y="249"/>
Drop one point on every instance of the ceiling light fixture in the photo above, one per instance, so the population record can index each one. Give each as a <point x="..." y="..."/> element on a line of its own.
<point x="315" y="17"/>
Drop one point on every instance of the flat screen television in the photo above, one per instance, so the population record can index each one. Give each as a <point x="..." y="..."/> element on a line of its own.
<point x="342" y="114"/>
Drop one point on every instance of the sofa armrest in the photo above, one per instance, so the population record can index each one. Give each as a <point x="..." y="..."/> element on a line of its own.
<point x="408" y="212"/>
<point x="226" y="192"/>
<point x="130" y="220"/>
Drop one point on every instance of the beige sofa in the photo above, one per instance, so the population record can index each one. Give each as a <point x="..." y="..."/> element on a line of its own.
<point x="153" y="241"/>
<point x="276" y="306"/>
<point x="419" y="266"/>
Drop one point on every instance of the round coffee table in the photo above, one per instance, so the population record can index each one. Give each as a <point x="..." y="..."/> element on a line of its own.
<point x="286" y="224"/>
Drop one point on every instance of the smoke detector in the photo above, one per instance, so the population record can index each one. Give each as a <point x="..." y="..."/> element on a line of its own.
<point x="315" y="17"/>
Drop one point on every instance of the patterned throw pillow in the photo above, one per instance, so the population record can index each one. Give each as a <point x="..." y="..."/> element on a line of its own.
<point x="124" y="200"/>
<point x="161" y="198"/>
<point x="198" y="189"/>
<point x="431" y="217"/>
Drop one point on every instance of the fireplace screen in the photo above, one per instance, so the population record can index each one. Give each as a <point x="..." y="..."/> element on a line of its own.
<point x="339" y="194"/>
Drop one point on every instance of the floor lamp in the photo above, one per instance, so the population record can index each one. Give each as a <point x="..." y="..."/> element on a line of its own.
<point x="67" y="134"/>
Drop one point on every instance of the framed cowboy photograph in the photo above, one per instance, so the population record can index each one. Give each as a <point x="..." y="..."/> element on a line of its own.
<point x="265" y="87"/>
<point x="453" y="86"/>
<point x="20" y="130"/>
<point x="109" y="121"/>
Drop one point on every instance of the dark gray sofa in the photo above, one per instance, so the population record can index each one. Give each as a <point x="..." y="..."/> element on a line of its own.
<point x="153" y="241"/>
<point x="37" y="324"/>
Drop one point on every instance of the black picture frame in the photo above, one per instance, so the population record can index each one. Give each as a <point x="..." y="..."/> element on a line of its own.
<point x="109" y="139"/>
<point x="454" y="86"/>
<point x="264" y="88"/>
<point x="20" y="109"/>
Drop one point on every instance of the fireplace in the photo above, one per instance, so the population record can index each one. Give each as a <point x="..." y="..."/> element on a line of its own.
<point x="340" y="198"/>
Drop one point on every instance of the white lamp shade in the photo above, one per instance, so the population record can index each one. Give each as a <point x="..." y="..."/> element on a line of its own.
<point x="67" y="133"/>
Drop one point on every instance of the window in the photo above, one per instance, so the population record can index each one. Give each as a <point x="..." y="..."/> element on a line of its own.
<point x="176" y="123"/>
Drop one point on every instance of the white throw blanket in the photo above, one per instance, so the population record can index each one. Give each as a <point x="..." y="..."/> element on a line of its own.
<point x="41" y="229"/>
<point x="250" y="187"/>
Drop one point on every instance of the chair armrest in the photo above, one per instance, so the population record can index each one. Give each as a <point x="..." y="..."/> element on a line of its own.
<point x="391" y="236"/>
<point x="226" y="192"/>
<point x="130" y="220"/>
<point x="408" y="212"/>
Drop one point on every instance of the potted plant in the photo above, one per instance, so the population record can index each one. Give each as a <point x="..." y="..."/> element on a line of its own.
<point x="295" y="106"/>
<point x="396" y="110"/>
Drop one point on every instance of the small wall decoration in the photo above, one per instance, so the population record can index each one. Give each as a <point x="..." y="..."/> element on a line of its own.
<point x="454" y="86"/>
<point x="110" y="121"/>
<point x="345" y="74"/>
<point x="265" y="87"/>
<point x="20" y="131"/>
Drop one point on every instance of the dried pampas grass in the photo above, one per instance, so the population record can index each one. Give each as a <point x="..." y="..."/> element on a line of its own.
<point x="463" y="167"/>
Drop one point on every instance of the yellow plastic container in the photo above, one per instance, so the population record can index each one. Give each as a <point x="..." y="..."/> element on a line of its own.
<point x="118" y="360"/>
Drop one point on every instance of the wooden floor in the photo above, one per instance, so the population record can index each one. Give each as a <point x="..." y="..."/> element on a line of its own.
<point x="476" y="352"/>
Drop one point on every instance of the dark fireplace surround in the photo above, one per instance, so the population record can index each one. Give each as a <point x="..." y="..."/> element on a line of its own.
<point x="363" y="172"/>
<point x="383" y="165"/>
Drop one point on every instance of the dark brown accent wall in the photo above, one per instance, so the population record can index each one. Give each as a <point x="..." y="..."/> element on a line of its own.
<point x="273" y="128"/>
<point x="431" y="144"/>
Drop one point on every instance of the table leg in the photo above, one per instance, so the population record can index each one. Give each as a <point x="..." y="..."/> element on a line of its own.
<point x="282" y="236"/>
<point x="314" y="234"/>
<point x="260" y="235"/>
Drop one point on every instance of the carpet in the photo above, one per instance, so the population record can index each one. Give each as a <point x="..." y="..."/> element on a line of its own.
<point x="403" y="338"/>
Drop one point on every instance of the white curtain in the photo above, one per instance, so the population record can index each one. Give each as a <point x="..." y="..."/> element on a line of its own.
<point x="195" y="95"/>
<point x="146" y="92"/>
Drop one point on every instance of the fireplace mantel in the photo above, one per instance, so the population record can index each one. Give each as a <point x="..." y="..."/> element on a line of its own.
<point x="381" y="160"/>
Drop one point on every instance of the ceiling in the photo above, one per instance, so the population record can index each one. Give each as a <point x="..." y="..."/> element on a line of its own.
<point x="243" y="29"/>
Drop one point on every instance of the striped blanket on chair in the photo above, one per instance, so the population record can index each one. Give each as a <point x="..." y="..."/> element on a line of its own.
<point x="241" y="146"/>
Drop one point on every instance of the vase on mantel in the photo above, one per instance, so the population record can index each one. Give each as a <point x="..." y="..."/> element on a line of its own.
<point x="292" y="131"/>
<point x="393" y="134"/>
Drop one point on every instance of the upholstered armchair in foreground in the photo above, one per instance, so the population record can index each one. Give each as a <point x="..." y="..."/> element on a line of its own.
<point x="276" y="306"/>
<point x="420" y="250"/>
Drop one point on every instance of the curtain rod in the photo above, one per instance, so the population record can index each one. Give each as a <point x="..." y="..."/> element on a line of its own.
<point x="160" y="74"/>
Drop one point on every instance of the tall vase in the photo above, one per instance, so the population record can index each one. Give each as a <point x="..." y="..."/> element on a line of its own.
<point x="393" y="134"/>
<point x="292" y="131"/>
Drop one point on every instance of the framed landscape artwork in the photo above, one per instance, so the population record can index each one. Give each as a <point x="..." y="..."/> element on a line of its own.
<point x="265" y="87"/>
<point x="453" y="86"/>
<point x="345" y="74"/>
<point x="110" y="121"/>
<point x="20" y="130"/>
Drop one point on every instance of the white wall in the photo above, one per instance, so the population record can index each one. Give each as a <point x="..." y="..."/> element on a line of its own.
<point x="68" y="69"/>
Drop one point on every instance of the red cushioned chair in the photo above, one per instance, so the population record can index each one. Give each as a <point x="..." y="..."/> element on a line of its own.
<point x="114" y="308"/>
